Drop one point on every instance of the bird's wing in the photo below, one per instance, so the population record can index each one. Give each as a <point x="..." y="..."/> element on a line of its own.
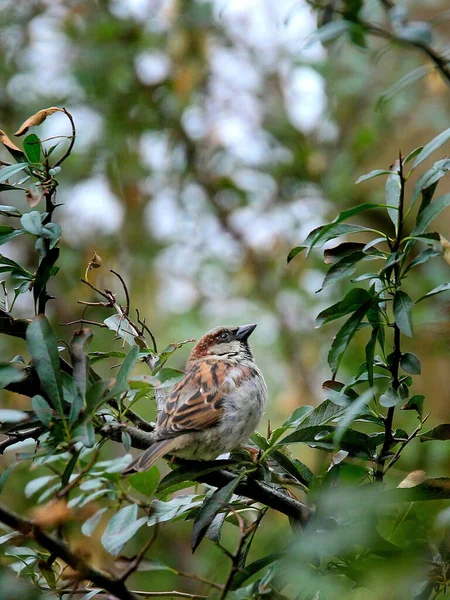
<point x="196" y="402"/>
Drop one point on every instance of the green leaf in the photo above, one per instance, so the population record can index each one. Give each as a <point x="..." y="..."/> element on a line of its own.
<point x="400" y="84"/>
<point x="9" y="415"/>
<point x="122" y="328"/>
<point x="85" y="433"/>
<point x="90" y="525"/>
<point x="430" y="177"/>
<point x="372" y="174"/>
<point x="293" y="253"/>
<point x="410" y="363"/>
<point x="69" y="469"/>
<point x="125" y="368"/>
<point x="96" y="356"/>
<point x="423" y="257"/>
<point x="10" y="374"/>
<point x="392" y="194"/>
<point x="32" y="147"/>
<point x="44" y="273"/>
<point x="429" y="213"/>
<point x="37" y="484"/>
<point x="121" y="528"/>
<point x="298" y="416"/>
<point x="389" y="398"/>
<point x="344" y="336"/>
<point x="403" y="306"/>
<point x="5" y="476"/>
<point x="440" y="432"/>
<point x="192" y="472"/>
<point x="31" y="222"/>
<point x="174" y="509"/>
<point x="329" y="31"/>
<point x="41" y="342"/>
<point x="334" y="228"/>
<point x="437" y="290"/>
<point x="415" y="403"/>
<point x="322" y="414"/>
<point x="334" y="255"/>
<point x="246" y="572"/>
<point x="8" y="233"/>
<point x="11" y="170"/>
<point x="96" y="395"/>
<point x="351" y="302"/>
<point x="145" y="483"/>
<point x="321" y="436"/>
<point x="294" y="467"/>
<point x="4" y="187"/>
<point x="350" y="415"/>
<point x="436" y="143"/>
<point x="342" y="269"/>
<point x="370" y="354"/>
<point x="42" y="410"/>
<point x="210" y="508"/>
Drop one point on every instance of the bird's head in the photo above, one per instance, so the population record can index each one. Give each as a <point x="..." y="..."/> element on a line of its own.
<point x="224" y="343"/>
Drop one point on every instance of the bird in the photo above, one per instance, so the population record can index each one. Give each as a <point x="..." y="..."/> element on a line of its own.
<point x="217" y="404"/>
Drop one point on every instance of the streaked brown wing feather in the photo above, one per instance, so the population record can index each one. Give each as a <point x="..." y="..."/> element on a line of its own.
<point x="195" y="403"/>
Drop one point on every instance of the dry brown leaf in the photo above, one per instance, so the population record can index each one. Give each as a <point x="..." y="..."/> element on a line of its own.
<point x="51" y="514"/>
<point x="32" y="199"/>
<point x="37" y="119"/>
<point x="4" y="139"/>
<point x="413" y="479"/>
<point x="96" y="261"/>
<point x="446" y="248"/>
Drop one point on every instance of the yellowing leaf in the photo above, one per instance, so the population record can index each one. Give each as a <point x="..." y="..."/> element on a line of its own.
<point x="413" y="479"/>
<point x="446" y="248"/>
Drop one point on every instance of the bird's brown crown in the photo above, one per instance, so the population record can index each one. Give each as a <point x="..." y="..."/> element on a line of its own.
<point x="223" y="341"/>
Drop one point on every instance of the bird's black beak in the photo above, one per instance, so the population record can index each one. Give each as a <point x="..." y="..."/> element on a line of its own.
<point x="244" y="332"/>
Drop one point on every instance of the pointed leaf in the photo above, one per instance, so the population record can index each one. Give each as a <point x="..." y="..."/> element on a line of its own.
<point x="42" y="410"/>
<point x="121" y="528"/>
<point x="410" y="363"/>
<point x="437" y="290"/>
<point x="403" y="306"/>
<point x="344" y="336"/>
<point x="32" y="147"/>
<point x="436" y="143"/>
<point x="430" y="213"/>
<point x="210" y="508"/>
<point x="41" y="341"/>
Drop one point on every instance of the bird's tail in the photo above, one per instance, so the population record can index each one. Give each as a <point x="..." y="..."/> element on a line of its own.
<point x="145" y="460"/>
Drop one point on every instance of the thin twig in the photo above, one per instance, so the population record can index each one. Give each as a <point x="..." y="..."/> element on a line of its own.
<point x="81" y="321"/>
<point x="126" y="310"/>
<point x="72" y="140"/>
<point x="405" y="443"/>
<point x="65" y="491"/>
<point x="137" y="561"/>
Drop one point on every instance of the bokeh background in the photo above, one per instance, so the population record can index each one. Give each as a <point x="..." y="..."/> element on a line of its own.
<point x="212" y="137"/>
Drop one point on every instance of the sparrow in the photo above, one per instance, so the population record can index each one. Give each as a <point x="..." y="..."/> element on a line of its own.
<point x="216" y="406"/>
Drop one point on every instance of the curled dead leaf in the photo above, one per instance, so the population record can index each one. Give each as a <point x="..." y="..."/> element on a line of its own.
<point x="9" y="144"/>
<point x="96" y="261"/>
<point x="51" y="514"/>
<point x="413" y="479"/>
<point x="37" y="119"/>
<point x="32" y="199"/>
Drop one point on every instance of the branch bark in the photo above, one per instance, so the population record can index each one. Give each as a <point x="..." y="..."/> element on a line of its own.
<point x="116" y="587"/>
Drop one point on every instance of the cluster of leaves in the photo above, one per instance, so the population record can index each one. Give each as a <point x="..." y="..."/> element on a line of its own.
<point x="74" y="412"/>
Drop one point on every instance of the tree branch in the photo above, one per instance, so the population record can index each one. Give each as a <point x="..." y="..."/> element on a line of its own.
<point x="116" y="587"/>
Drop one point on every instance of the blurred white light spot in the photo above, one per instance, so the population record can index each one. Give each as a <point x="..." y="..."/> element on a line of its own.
<point x="152" y="67"/>
<point x="90" y="207"/>
<point x="305" y="97"/>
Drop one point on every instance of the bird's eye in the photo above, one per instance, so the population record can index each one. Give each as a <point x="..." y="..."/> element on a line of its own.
<point x="223" y="335"/>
